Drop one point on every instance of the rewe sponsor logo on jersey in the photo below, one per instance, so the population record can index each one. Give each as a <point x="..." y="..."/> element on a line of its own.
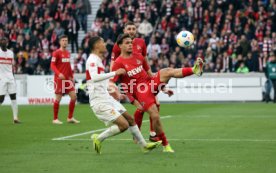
<point x="65" y="60"/>
<point x="135" y="71"/>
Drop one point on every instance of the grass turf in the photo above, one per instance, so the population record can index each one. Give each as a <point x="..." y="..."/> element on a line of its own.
<point x="207" y="138"/>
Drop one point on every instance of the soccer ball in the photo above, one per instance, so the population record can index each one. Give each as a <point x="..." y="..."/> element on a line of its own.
<point x="185" y="39"/>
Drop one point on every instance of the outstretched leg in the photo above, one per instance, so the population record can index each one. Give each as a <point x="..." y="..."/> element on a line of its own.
<point x="168" y="73"/>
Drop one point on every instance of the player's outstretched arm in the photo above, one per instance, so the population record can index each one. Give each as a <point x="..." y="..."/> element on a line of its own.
<point x="95" y="77"/>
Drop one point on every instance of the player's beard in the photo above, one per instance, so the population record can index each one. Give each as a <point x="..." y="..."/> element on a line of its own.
<point x="3" y="47"/>
<point x="129" y="52"/>
<point x="132" y="36"/>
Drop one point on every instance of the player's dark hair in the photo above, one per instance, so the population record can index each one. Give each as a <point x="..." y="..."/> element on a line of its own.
<point x="92" y="41"/>
<point x="121" y="38"/>
<point x="63" y="36"/>
<point x="129" y="23"/>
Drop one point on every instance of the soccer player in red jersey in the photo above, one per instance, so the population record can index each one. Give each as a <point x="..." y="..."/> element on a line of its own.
<point x="143" y="86"/>
<point x="139" y="46"/>
<point x="64" y="80"/>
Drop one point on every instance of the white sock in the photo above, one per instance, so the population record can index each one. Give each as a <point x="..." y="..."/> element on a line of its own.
<point x="111" y="131"/>
<point x="14" y="109"/>
<point x="152" y="134"/>
<point x="134" y="130"/>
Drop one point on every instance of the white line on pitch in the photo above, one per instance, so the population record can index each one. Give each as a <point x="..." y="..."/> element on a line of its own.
<point x="206" y="140"/>
<point x="98" y="130"/>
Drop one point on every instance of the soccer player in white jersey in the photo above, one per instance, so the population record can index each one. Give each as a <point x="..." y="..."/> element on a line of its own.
<point x="7" y="81"/>
<point x="105" y="107"/>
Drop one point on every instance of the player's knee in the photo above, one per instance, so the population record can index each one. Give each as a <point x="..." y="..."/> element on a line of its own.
<point x="74" y="98"/>
<point x="58" y="100"/>
<point x="2" y="99"/>
<point x="131" y="121"/>
<point x="13" y="96"/>
<point x="123" y="126"/>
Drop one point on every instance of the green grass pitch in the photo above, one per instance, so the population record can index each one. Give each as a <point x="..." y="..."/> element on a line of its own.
<point x="207" y="138"/>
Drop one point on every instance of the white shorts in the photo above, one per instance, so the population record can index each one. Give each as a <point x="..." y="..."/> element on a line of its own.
<point x="7" y="87"/>
<point x="108" y="110"/>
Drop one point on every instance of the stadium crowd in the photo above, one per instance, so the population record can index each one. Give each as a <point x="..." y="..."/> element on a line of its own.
<point x="34" y="26"/>
<point x="231" y="35"/>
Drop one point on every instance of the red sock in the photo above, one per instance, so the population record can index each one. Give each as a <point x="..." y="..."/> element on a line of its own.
<point x="71" y="108"/>
<point x="56" y="108"/>
<point x="187" y="71"/>
<point x="138" y="117"/>
<point x="163" y="137"/>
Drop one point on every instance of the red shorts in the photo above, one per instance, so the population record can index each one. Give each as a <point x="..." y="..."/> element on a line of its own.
<point x="148" y="91"/>
<point x="63" y="86"/>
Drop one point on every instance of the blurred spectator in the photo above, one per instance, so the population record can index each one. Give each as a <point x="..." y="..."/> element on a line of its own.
<point x="145" y="28"/>
<point x="153" y="49"/>
<point x="227" y="33"/>
<point x="73" y="29"/>
<point x="84" y="8"/>
<point x="33" y="28"/>
<point x="242" y="68"/>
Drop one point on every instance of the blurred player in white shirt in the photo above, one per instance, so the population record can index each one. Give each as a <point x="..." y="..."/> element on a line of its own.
<point x="105" y="107"/>
<point x="7" y="81"/>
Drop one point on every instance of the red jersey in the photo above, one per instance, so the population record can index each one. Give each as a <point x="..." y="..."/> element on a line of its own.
<point x="136" y="69"/>
<point x="139" y="46"/>
<point x="61" y="63"/>
<point x="137" y="82"/>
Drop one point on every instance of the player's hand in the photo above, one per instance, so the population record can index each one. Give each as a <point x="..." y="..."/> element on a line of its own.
<point x="61" y="76"/>
<point x="120" y="71"/>
<point x="137" y="104"/>
<point x="168" y="92"/>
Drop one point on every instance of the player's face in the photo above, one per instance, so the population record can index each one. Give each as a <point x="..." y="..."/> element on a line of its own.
<point x="131" y="30"/>
<point x="3" y="42"/>
<point x="63" y="42"/>
<point x="102" y="46"/>
<point x="127" y="45"/>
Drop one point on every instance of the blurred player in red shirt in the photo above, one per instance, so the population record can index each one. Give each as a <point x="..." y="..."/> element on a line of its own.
<point x="64" y="80"/>
<point x="139" y="46"/>
<point x="144" y="87"/>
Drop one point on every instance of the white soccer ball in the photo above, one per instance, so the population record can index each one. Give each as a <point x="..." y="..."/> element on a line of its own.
<point x="185" y="39"/>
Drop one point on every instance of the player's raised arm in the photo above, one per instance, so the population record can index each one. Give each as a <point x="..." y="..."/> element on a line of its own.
<point x="95" y="70"/>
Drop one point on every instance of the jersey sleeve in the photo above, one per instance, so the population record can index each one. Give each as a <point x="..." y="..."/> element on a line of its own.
<point x="115" y="52"/>
<point x="54" y="63"/>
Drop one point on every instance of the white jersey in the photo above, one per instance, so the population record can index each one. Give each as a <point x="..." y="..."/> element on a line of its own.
<point x="6" y="62"/>
<point x="97" y="79"/>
